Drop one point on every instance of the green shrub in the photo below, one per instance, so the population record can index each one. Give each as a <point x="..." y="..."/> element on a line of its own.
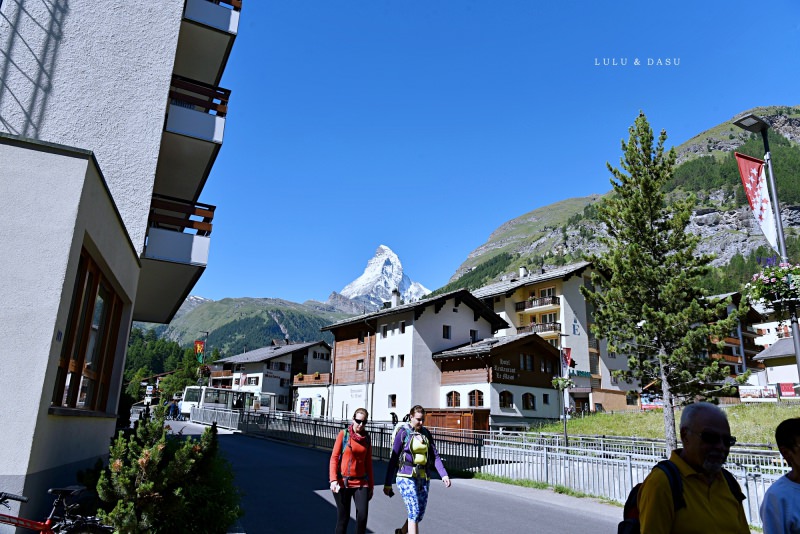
<point x="158" y="482"/>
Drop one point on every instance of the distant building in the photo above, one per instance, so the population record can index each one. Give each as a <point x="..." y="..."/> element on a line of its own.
<point x="549" y="303"/>
<point x="268" y="371"/>
<point x="441" y="353"/>
<point x="111" y="122"/>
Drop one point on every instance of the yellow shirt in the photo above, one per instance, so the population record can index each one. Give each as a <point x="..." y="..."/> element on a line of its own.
<point x="708" y="508"/>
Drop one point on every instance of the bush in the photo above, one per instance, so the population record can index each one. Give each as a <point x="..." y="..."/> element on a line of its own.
<point x="158" y="482"/>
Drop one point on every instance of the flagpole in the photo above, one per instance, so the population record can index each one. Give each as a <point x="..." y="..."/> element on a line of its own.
<point x="754" y="123"/>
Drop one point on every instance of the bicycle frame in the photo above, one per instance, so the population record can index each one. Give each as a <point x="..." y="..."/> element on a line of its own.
<point x="38" y="526"/>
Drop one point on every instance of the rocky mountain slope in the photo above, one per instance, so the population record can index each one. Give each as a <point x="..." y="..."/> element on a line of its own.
<point x="567" y="230"/>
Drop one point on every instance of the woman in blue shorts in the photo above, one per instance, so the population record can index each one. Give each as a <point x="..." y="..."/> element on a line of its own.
<point x="414" y="456"/>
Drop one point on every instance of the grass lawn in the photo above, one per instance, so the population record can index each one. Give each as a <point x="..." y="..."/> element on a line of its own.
<point x="750" y="423"/>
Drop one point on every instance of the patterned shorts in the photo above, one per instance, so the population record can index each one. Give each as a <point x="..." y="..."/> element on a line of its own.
<point x="415" y="495"/>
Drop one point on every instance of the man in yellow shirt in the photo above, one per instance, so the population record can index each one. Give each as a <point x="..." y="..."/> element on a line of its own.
<point x="710" y="504"/>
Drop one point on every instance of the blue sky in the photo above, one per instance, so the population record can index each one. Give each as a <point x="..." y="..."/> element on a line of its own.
<point x="426" y="125"/>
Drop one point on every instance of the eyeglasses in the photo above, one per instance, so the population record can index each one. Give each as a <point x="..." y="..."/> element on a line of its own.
<point x="359" y="421"/>
<point x="712" y="438"/>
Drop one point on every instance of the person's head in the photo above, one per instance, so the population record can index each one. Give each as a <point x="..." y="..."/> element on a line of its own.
<point x="360" y="420"/>
<point x="787" y="436"/>
<point x="416" y="416"/>
<point x="706" y="437"/>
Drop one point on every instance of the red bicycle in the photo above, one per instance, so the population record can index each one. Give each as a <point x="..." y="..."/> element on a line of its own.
<point x="63" y="518"/>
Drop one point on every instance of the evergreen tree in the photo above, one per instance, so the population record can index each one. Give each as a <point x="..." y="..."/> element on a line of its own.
<point x="647" y="295"/>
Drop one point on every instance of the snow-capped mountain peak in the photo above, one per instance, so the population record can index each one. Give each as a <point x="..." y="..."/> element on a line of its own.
<point x="383" y="273"/>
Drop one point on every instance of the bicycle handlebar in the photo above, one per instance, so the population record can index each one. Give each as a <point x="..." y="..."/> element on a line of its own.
<point x="6" y="496"/>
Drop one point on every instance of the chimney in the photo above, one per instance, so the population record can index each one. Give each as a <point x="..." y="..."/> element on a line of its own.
<point x="523" y="272"/>
<point x="395" y="297"/>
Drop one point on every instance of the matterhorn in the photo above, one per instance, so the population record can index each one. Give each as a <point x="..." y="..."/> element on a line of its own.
<point x="383" y="273"/>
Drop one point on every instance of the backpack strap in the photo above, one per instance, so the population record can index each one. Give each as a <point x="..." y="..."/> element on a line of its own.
<point x="675" y="483"/>
<point x="733" y="484"/>
<point x="345" y="443"/>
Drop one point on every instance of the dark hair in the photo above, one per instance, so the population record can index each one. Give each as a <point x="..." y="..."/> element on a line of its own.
<point x="786" y="432"/>
<point x="416" y="408"/>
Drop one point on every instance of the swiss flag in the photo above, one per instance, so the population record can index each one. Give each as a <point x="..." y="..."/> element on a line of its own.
<point x="755" y="185"/>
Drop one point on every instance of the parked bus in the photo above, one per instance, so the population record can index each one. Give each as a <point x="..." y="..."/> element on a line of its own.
<point x="218" y="398"/>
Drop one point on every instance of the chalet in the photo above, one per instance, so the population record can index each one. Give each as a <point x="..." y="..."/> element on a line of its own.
<point x="510" y="375"/>
<point x="549" y="303"/>
<point x="268" y="371"/>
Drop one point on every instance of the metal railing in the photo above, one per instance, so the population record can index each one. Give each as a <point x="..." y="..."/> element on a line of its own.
<point x="537" y="303"/>
<point x="602" y="466"/>
<point x="539" y="328"/>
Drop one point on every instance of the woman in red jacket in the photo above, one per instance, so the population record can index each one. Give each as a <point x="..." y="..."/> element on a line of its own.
<point x="350" y="473"/>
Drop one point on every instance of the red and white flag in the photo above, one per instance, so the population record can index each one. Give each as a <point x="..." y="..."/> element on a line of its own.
<point x="566" y="355"/>
<point x="755" y="185"/>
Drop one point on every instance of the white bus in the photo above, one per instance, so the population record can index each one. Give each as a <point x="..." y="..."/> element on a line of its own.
<point x="219" y="398"/>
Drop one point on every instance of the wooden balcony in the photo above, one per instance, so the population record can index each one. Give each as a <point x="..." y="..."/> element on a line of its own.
<point x="176" y="215"/>
<point x="539" y="328"/>
<point x="221" y="374"/>
<point x="727" y="358"/>
<point x="314" y="379"/>
<point x="537" y="303"/>
<point x="199" y="96"/>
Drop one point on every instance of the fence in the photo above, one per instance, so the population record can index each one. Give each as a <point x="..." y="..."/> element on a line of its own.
<point x="605" y="467"/>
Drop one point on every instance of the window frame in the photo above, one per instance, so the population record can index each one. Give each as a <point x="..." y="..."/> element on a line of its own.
<point x="447" y="331"/>
<point x="475" y="398"/>
<point x="506" y="399"/>
<point x="529" y="401"/>
<point x="89" y="337"/>
<point x="453" y="399"/>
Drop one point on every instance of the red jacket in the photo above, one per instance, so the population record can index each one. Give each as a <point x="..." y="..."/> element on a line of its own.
<point x="356" y="463"/>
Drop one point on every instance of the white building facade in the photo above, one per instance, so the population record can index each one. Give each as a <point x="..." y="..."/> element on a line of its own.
<point x="100" y="184"/>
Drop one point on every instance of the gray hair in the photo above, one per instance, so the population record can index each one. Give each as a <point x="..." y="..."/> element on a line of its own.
<point x="690" y="412"/>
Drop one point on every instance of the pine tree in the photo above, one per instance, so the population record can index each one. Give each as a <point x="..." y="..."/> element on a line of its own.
<point x="647" y="295"/>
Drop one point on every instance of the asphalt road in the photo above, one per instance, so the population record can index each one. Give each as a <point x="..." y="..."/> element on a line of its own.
<point x="285" y="490"/>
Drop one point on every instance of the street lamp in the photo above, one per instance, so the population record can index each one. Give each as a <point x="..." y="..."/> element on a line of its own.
<point x="754" y="123"/>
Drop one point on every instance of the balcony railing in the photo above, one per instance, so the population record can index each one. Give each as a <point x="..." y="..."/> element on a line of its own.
<point x="221" y="374"/>
<point x="175" y="214"/>
<point x="729" y="358"/>
<point x="314" y="379"/>
<point x="537" y="303"/>
<point x="199" y="96"/>
<point x="539" y="328"/>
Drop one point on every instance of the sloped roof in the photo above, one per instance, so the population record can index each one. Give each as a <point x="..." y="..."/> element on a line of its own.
<point x="485" y="346"/>
<point x="509" y="286"/>
<point x="267" y="353"/>
<point x="462" y="295"/>
<point x="780" y="349"/>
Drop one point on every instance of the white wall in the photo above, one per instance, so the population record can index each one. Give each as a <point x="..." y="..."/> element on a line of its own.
<point x="542" y="410"/>
<point x="346" y="398"/>
<point x="782" y="373"/>
<point x="394" y="380"/>
<point x="41" y="249"/>
<point x="67" y="69"/>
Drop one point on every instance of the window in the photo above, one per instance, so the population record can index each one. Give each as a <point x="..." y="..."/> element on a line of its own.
<point x="553" y="342"/>
<point x="382" y="364"/>
<point x="612" y="355"/>
<point x="473" y="335"/>
<point x="453" y="399"/>
<point x="446" y="331"/>
<point x="361" y="337"/>
<point x="506" y="399"/>
<point x="401" y="360"/>
<point x="284" y="382"/>
<point x="614" y="379"/>
<point x="547" y="292"/>
<point x="87" y="359"/>
<point x="630" y="399"/>
<point x="549" y="318"/>
<point x="359" y="365"/>
<point x="546" y="398"/>
<point x="393" y="401"/>
<point x="476" y="397"/>
<point x="384" y="330"/>
<point x="252" y="380"/>
<point x="526" y="362"/>
<point x="549" y="367"/>
<point x="402" y="327"/>
<point x="283" y="399"/>
<point x="391" y="361"/>
<point x="541" y="365"/>
<point x="528" y="401"/>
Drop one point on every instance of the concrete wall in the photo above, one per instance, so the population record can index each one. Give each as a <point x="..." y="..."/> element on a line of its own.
<point x="66" y="67"/>
<point x="55" y="204"/>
